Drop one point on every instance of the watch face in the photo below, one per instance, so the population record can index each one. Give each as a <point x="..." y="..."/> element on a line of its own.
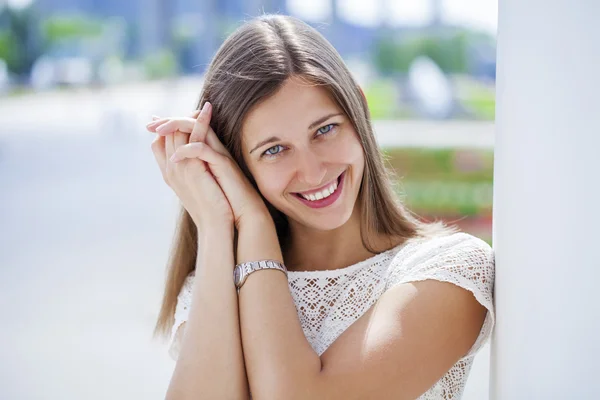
<point x="237" y="274"/>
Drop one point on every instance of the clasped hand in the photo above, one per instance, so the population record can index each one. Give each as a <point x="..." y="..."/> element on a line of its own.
<point x="201" y="171"/>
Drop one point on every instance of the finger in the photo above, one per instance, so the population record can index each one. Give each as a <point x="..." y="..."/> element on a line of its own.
<point x="198" y="150"/>
<point x="202" y="123"/>
<point x="220" y="166"/>
<point x="186" y="125"/>
<point x="158" y="121"/>
<point x="213" y="141"/>
<point x="180" y="139"/>
<point x="195" y="114"/>
<point x="151" y="126"/>
<point x="176" y="124"/>
<point x="169" y="145"/>
<point x="158" y="149"/>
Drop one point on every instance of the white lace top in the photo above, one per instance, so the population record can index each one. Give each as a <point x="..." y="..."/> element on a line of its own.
<point x="347" y="293"/>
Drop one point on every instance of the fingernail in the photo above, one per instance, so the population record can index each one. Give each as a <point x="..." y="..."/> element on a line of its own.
<point x="205" y="108"/>
<point x="174" y="157"/>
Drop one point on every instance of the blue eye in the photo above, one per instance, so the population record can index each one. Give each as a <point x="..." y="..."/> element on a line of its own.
<point x="269" y="151"/>
<point x="277" y="150"/>
<point x="325" y="129"/>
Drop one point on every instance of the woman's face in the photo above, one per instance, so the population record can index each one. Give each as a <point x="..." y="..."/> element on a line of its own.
<point x="304" y="155"/>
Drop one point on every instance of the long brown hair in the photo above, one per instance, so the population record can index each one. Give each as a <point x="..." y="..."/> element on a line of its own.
<point x="251" y="65"/>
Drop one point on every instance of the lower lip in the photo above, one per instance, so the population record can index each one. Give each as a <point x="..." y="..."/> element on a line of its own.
<point x="328" y="200"/>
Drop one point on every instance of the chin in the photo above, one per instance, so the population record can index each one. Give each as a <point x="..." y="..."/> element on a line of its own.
<point x="323" y="220"/>
<point x="328" y="223"/>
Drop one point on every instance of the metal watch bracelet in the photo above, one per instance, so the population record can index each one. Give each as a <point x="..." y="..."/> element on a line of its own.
<point x="243" y="270"/>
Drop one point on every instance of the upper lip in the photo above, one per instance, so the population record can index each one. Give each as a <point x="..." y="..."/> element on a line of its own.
<point x="313" y="191"/>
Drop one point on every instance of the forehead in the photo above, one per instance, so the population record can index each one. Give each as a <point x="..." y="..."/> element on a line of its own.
<point x="291" y="109"/>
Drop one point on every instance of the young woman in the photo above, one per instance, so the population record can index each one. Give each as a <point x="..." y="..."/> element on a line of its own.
<point x="296" y="273"/>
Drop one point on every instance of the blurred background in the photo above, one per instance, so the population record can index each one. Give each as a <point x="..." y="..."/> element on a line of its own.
<point x="86" y="221"/>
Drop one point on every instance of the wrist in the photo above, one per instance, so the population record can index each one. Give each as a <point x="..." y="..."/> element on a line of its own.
<point x="215" y="232"/>
<point x="257" y="239"/>
<point x="260" y="218"/>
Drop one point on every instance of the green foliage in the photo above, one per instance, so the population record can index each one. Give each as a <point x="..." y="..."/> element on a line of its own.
<point x="391" y="57"/>
<point x="383" y="97"/>
<point x="449" y="50"/>
<point x="58" y="28"/>
<point x="26" y="39"/>
<point x="441" y="164"/>
<point x="160" y="64"/>
<point x="18" y="46"/>
<point x="9" y="50"/>
<point x="443" y="180"/>
<point x="449" y="53"/>
<point x="448" y="197"/>
<point x="482" y="102"/>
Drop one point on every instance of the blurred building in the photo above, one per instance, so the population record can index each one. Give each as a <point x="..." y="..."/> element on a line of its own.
<point x="157" y="24"/>
<point x="192" y="30"/>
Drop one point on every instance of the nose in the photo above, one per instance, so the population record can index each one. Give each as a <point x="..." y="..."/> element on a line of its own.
<point x="310" y="169"/>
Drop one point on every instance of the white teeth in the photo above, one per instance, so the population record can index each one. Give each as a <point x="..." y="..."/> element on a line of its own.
<point x="322" y="194"/>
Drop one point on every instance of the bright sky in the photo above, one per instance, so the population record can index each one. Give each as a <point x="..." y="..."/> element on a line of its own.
<point x="480" y="14"/>
<point x="16" y="3"/>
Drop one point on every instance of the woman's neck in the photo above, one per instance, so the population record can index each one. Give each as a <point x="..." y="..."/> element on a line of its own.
<point x="313" y="250"/>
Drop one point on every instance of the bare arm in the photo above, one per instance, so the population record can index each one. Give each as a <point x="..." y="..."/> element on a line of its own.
<point x="211" y="362"/>
<point x="276" y="351"/>
<point x="398" y="349"/>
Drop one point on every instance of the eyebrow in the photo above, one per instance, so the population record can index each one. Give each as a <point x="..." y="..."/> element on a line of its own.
<point x="310" y="127"/>
<point x="321" y="120"/>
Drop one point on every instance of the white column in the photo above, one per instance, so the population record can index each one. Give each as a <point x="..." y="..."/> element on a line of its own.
<point x="547" y="201"/>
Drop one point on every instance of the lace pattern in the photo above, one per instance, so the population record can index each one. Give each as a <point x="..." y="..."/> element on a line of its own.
<point x="328" y="302"/>
<point x="465" y="261"/>
<point x="182" y="311"/>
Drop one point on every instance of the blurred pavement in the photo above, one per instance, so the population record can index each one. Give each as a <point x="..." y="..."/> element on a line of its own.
<point x="85" y="227"/>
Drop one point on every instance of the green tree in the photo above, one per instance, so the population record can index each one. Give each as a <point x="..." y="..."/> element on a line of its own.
<point x="448" y="49"/>
<point x="20" y="43"/>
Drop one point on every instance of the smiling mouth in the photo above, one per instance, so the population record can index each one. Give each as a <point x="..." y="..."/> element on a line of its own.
<point x="324" y="193"/>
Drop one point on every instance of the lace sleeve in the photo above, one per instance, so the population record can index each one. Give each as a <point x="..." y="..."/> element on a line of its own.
<point x="184" y="300"/>
<point x="460" y="259"/>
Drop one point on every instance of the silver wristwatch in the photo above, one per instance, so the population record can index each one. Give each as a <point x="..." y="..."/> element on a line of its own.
<point x="241" y="271"/>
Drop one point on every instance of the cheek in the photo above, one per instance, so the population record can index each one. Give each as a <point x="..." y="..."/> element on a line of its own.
<point x="271" y="182"/>
<point x="349" y="150"/>
<point x="354" y="155"/>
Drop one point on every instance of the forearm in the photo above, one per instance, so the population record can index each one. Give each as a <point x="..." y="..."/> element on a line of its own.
<point x="211" y="362"/>
<point x="277" y="354"/>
